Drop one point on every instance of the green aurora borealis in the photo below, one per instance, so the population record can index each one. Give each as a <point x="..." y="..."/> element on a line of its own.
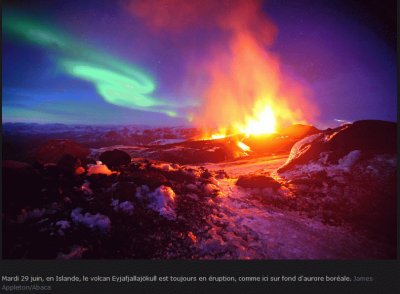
<point x="117" y="82"/>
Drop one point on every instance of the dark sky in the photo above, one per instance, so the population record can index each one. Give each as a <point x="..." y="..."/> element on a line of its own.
<point x="96" y="62"/>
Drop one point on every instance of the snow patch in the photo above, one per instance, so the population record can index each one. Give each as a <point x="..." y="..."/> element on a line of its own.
<point x="165" y="167"/>
<point x="93" y="221"/>
<point x="210" y="188"/>
<point x="125" y="206"/>
<point x="162" y="200"/>
<point x="343" y="166"/>
<point x="99" y="169"/>
<point x="142" y="191"/>
<point x="347" y="161"/>
<point x="301" y="147"/>
<point x="213" y="181"/>
<point x="62" y="225"/>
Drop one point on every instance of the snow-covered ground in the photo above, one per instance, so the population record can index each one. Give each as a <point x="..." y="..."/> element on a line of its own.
<point x="244" y="228"/>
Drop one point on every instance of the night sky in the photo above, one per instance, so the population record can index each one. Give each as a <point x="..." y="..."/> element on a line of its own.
<point x="102" y="62"/>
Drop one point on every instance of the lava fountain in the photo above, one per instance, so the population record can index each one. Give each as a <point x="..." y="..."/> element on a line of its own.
<point x="248" y="92"/>
<point x="243" y="87"/>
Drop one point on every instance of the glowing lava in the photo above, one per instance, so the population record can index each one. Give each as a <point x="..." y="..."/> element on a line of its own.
<point x="263" y="122"/>
<point x="243" y="146"/>
<point x="248" y="92"/>
<point x="218" y="136"/>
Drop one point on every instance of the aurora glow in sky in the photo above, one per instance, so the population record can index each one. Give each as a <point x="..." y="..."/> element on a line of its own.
<point x="118" y="83"/>
<point x="94" y="62"/>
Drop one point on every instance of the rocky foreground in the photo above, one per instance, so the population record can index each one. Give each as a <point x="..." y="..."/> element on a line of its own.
<point x="300" y="195"/>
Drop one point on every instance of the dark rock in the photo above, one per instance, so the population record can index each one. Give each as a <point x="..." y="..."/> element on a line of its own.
<point x="221" y="174"/>
<point x="359" y="190"/>
<point x="206" y="174"/>
<point x="257" y="181"/>
<point x="195" y="152"/>
<point x="365" y="135"/>
<point x="306" y="182"/>
<point x="21" y="184"/>
<point x="177" y="176"/>
<point x="125" y="191"/>
<point x="68" y="164"/>
<point x="102" y="181"/>
<point x="52" y="170"/>
<point x="53" y="150"/>
<point x="37" y="165"/>
<point x="16" y="165"/>
<point x="153" y="179"/>
<point x="87" y="161"/>
<point x="115" y="158"/>
<point x="194" y="156"/>
<point x="371" y="137"/>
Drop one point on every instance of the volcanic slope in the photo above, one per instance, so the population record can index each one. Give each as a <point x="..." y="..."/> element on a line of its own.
<point x="244" y="227"/>
<point x="332" y="197"/>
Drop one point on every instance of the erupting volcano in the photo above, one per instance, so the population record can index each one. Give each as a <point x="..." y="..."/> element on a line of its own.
<point x="245" y="89"/>
<point x="247" y="92"/>
<point x="201" y="129"/>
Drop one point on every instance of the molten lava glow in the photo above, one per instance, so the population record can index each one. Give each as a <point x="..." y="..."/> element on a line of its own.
<point x="262" y="123"/>
<point x="243" y="146"/>
<point x="240" y="81"/>
<point x="248" y="91"/>
<point x="218" y="136"/>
